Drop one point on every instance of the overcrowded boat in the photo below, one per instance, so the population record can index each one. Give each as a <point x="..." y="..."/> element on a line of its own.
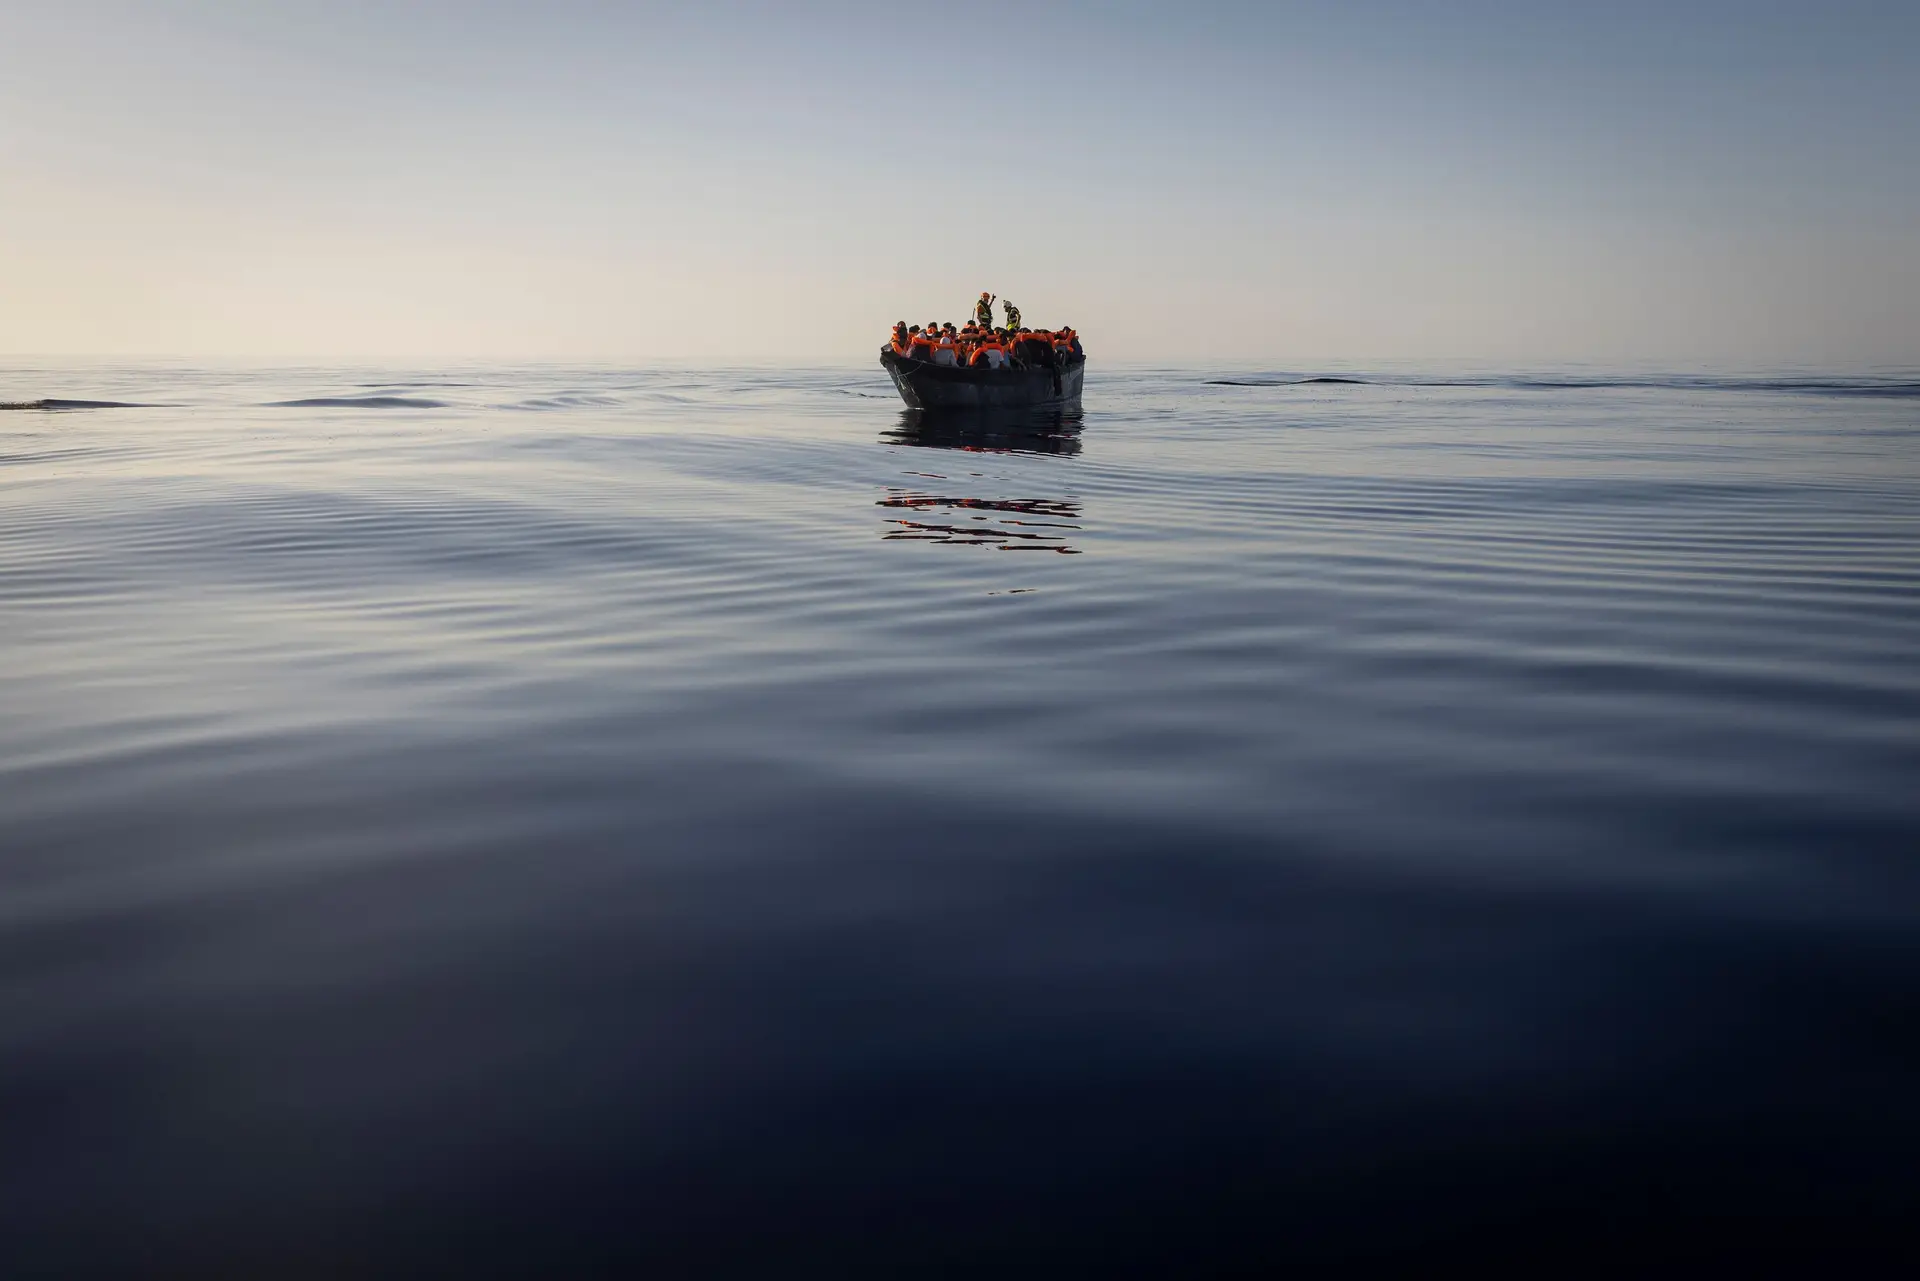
<point x="981" y="365"/>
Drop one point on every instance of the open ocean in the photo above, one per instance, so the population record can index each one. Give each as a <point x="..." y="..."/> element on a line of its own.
<point x="499" y="819"/>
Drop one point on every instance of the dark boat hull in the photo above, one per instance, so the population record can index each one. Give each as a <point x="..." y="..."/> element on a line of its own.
<point x="924" y="385"/>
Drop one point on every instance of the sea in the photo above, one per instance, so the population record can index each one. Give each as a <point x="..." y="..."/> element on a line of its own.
<point x="481" y="820"/>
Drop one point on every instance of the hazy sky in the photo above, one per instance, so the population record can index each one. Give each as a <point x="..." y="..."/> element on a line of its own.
<point x="1709" y="183"/>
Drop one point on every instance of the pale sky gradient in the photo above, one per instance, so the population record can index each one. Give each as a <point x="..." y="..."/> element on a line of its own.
<point x="1688" y="184"/>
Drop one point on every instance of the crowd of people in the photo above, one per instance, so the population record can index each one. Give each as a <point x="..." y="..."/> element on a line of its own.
<point x="980" y="344"/>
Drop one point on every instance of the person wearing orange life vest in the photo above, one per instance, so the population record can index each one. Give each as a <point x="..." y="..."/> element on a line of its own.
<point x="969" y="339"/>
<point x="990" y="354"/>
<point x="919" y="345"/>
<point x="946" y="348"/>
<point x="900" y="338"/>
<point x="1015" y="343"/>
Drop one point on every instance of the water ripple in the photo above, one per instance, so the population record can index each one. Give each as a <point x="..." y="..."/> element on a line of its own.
<point x="651" y="788"/>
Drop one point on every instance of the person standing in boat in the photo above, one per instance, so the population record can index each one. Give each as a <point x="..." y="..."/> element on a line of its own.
<point x="983" y="310"/>
<point x="1013" y="315"/>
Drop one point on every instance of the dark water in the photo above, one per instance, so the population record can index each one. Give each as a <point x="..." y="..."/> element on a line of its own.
<point x="517" y="820"/>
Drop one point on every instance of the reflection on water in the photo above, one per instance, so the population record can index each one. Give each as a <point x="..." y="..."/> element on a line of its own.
<point x="989" y="431"/>
<point x="1024" y="528"/>
<point x="1005" y="524"/>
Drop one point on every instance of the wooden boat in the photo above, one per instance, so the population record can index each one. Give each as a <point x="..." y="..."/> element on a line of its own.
<point x="926" y="385"/>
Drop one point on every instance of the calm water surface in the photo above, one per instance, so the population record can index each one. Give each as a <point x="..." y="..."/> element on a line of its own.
<point x="503" y="819"/>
